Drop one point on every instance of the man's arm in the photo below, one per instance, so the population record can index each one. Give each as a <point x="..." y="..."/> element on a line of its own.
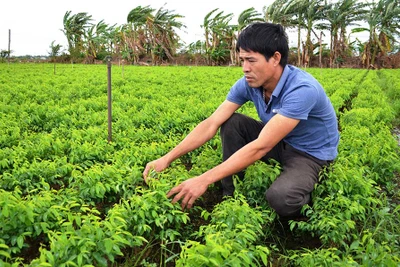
<point x="202" y="133"/>
<point x="273" y="132"/>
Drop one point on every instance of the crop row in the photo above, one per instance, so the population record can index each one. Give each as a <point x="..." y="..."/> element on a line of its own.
<point x="350" y="208"/>
<point x="78" y="200"/>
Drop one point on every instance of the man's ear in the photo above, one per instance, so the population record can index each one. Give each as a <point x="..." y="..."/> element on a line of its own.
<point x="277" y="58"/>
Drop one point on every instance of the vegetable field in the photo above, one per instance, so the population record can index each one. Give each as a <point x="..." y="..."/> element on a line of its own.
<point x="68" y="197"/>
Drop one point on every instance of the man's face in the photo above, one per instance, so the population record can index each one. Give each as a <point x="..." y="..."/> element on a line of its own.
<point x="257" y="70"/>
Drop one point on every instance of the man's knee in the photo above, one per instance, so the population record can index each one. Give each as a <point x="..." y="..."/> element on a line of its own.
<point x="231" y="123"/>
<point x="285" y="202"/>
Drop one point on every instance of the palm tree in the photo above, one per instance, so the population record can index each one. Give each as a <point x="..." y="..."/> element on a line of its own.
<point x="218" y="35"/>
<point x="137" y="37"/>
<point x="55" y="49"/>
<point x="164" y="39"/>
<point x="278" y="12"/>
<point x="245" y="18"/>
<point x="123" y="42"/>
<point x="305" y="14"/>
<point x="196" y="47"/>
<point x="339" y="16"/>
<point x="384" y="25"/>
<point x="248" y="16"/>
<point x="353" y="13"/>
<point x="154" y="34"/>
<point x="206" y="25"/>
<point x="96" y="41"/>
<point x="111" y="39"/>
<point x="74" y="29"/>
<point x="286" y="14"/>
<point x="314" y="13"/>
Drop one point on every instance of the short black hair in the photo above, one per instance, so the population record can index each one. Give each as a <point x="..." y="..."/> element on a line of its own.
<point x="265" y="38"/>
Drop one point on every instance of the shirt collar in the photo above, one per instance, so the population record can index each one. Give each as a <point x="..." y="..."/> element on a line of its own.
<point x="282" y="81"/>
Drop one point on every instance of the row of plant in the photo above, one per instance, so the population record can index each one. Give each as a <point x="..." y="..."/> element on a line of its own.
<point x="352" y="213"/>
<point x="70" y="198"/>
<point x="354" y="221"/>
<point x="54" y="141"/>
<point x="341" y="90"/>
<point x="231" y="238"/>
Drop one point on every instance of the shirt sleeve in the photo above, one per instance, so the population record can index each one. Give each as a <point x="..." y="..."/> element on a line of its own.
<point x="298" y="103"/>
<point x="238" y="93"/>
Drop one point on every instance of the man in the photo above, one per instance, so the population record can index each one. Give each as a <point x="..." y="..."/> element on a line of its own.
<point x="298" y="126"/>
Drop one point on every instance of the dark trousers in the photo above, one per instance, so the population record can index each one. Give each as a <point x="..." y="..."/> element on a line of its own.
<point x="300" y="171"/>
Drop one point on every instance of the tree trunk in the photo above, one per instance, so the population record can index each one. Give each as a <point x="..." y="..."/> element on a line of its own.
<point x="331" y="50"/>
<point x="320" y="49"/>
<point x="335" y="45"/>
<point x="298" y="47"/>
<point x="207" y="46"/>
<point x="375" y="47"/>
<point x="233" y="51"/>
<point x="309" y="48"/>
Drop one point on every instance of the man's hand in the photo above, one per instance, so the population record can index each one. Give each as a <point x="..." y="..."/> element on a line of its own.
<point x="188" y="191"/>
<point x="158" y="165"/>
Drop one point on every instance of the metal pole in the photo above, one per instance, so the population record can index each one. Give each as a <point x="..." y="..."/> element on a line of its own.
<point x="109" y="99"/>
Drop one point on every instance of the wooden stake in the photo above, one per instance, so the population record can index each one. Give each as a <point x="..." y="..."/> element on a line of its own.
<point x="9" y="44"/>
<point x="109" y="99"/>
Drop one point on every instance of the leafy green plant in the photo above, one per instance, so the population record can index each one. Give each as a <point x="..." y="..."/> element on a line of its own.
<point x="232" y="238"/>
<point x="62" y="184"/>
<point x="258" y="177"/>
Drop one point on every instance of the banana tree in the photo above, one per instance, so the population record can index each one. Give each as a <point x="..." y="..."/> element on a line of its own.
<point x="124" y="43"/>
<point x="218" y="34"/>
<point x="245" y="18"/>
<point x="154" y="34"/>
<point x="286" y="14"/>
<point x="74" y="30"/>
<point x="339" y="16"/>
<point x="96" y="41"/>
<point x="206" y="25"/>
<point x="164" y="39"/>
<point x="278" y="12"/>
<point x="112" y="39"/>
<point x="136" y="37"/>
<point x="384" y="25"/>
<point x="55" y="49"/>
<point x="305" y="14"/>
<point x="314" y="14"/>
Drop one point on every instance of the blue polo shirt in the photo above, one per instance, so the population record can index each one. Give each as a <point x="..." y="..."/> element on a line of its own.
<point x="297" y="95"/>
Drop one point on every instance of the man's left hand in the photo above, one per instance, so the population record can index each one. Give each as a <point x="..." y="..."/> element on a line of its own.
<point x="188" y="191"/>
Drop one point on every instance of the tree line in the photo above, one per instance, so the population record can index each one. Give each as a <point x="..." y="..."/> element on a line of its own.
<point x="150" y="36"/>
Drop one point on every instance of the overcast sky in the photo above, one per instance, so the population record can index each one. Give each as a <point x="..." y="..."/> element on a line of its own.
<point x="34" y="24"/>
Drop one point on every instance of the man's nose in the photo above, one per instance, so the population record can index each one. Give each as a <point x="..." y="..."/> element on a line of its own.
<point x="245" y="66"/>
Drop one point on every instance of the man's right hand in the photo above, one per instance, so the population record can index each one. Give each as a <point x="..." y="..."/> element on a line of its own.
<point x="158" y="165"/>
